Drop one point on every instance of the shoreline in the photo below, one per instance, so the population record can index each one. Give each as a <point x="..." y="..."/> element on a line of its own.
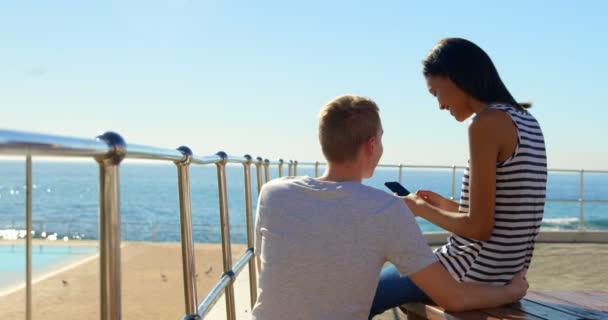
<point x="58" y="243"/>
<point x="4" y="291"/>
<point x="52" y="271"/>
<point x="151" y="283"/>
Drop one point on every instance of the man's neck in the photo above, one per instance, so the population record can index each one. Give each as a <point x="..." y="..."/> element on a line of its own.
<point x="342" y="172"/>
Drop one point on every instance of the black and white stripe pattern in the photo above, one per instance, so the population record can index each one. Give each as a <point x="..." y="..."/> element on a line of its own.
<point x="520" y="201"/>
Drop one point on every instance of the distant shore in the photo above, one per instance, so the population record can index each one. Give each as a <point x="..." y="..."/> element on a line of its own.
<point x="152" y="283"/>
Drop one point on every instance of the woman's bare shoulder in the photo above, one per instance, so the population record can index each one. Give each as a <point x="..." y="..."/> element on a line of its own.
<point x="491" y="120"/>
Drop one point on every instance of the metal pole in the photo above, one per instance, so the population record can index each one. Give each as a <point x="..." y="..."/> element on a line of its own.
<point x="225" y="227"/>
<point x="28" y="238"/>
<point x="295" y="167"/>
<point x="453" y="183"/>
<point x="281" y="167"/>
<point x="258" y="173"/>
<point x="253" y="293"/>
<point x="185" y="210"/>
<point x="316" y="169"/>
<point x="267" y="170"/>
<point x="400" y="173"/>
<point x="290" y="168"/>
<point x="581" y="221"/>
<point x="109" y="225"/>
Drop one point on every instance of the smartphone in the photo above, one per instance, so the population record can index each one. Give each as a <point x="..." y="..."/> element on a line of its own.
<point x="397" y="188"/>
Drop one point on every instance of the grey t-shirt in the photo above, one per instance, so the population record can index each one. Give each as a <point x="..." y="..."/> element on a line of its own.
<point x="323" y="244"/>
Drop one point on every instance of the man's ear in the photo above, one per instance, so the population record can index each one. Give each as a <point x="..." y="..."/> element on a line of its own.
<point x="369" y="145"/>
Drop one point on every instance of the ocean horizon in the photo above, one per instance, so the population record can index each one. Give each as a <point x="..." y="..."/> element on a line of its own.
<point x="66" y="201"/>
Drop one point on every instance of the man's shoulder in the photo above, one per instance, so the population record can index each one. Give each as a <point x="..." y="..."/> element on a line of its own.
<point x="280" y="183"/>
<point x="352" y="192"/>
<point x="366" y="192"/>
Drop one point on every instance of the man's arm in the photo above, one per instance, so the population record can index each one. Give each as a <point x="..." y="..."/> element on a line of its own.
<point x="258" y="235"/>
<point x="456" y="296"/>
<point x="258" y="261"/>
<point x="410" y="253"/>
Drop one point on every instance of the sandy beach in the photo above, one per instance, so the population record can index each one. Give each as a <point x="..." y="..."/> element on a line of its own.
<point x="152" y="280"/>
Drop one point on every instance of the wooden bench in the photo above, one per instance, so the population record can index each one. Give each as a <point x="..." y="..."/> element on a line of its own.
<point x="567" y="305"/>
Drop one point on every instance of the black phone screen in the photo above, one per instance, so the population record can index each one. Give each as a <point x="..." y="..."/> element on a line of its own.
<point x="397" y="188"/>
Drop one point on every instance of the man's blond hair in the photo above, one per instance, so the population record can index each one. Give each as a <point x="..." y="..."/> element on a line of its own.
<point x="346" y="123"/>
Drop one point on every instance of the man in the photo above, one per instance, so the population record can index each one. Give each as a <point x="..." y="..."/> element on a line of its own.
<point x="321" y="243"/>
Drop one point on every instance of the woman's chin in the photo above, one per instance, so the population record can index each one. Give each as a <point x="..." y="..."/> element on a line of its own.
<point x="460" y="117"/>
<point x="455" y="116"/>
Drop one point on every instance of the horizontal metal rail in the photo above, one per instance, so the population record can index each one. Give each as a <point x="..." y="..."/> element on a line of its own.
<point x="578" y="171"/>
<point x="24" y="143"/>
<point x="576" y="200"/>
<point x="143" y="152"/>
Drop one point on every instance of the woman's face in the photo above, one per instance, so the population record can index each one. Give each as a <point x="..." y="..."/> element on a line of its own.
<point x="449" y="97"/>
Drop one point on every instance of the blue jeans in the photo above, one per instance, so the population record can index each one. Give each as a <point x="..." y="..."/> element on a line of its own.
<point x="394" y="290"/>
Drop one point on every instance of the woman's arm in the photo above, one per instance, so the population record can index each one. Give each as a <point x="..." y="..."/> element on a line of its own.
<point x="455" y="222"/>
<point x="487" y="139"/>
<point x="437" y="200"/>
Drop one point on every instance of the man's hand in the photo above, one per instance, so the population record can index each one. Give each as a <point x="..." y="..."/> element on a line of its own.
<point x="518" y="286"/>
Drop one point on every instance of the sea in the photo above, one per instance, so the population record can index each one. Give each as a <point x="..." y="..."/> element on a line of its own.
<point x="66" y="199"/>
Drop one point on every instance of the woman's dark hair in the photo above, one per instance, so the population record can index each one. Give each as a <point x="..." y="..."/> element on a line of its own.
<point x="470" y="68"/>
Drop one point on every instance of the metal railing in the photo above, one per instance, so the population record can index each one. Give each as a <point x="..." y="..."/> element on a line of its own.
<point x="581" y="200"/>
<point x="581" y="172"/>
<point x="109" y="149"/>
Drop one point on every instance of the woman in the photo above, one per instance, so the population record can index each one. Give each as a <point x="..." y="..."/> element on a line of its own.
<point x="495" y="225"/>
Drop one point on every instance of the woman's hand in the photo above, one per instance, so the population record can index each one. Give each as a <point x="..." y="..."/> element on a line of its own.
<point x="410" y="202"/>
<point x="415" y="203"/>
<point x="437" y="200"/>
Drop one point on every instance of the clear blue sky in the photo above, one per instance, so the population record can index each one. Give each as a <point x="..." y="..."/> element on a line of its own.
<point x="250" y="76"/>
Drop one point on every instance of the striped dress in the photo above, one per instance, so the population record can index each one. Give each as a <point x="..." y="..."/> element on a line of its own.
<point x="520" y="200"/>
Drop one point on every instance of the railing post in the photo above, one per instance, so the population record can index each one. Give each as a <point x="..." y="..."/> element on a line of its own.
<point x="109" y="226"/>
<point x="253" y="293"/>
<point x="581" y="200"/>
<point x="267" y="170"/>
<point x="225" y="227"/>
<point x="258" y="172"/>
<point x="185" y="210"/>
<point x="453" y="183"/>
<point x="28" y="237"/>
<point x="400" y="173"/>
<point x="316" y="169"/>
<point x="281" y="167"/>
<point x="295" y="167"/>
